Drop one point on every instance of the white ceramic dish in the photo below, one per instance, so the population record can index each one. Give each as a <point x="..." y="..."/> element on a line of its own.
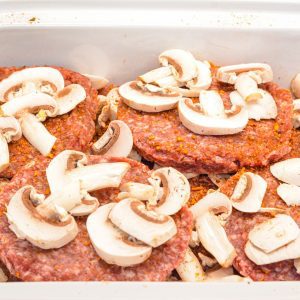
<point x="121" y="40"/>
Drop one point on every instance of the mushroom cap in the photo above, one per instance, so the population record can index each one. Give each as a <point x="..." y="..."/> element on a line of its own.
<point x="36" y="133"/>
<point x="98" y="82"/>
<point x="116" y="141"/>
<point x="27" y="224"/>
<point x="139" y="97"/>
<point x="32" y="103"/>
<point x="207" y="125"/>
<point x="229" y="74"/>
<point x="289" y="193"/>
<point x="183" y="63"/>
<point x="176" y="190"/>
<point x="295" y="85"/>
<point x="10" y="128"/>
<point x="136" y="190"/>
<point x="110" y="243"/>
<point x="287" y="170"/>
<point x="249" y="193"/>
<point x="132" y="217"/>
<point x="203" y="79"/>
<point x="69" y="97"/>
<point x="44" y="75"/>
<point x="274" y="233"/>
<point x="296" y="113"/>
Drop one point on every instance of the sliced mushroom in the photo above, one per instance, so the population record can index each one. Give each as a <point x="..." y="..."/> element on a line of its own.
<point x="259" y="257"/>
<point x="295" y="85"/>
<point x="98" y="82"/>
<point x="69" y="97"/>
<point x="10" y="130"/>
<point x="136" y="190"/>
<point x="148" y="98"/>
<point x="219" y="274"/>
<point x="69" y="165"/>
<point x="31" y="103"/>
<point x="190" y="269"/>
<point x="176" y="190"/>
<point x="249" y="193"/>
<point x="207" y="261"/>
<point x="47" y="227"/>
<point x="297" y="265"/>
<point x="287" y="171"/>
<point x="215" y="202"/>
<point x="113" y="98"/>
<point x="88" y="205"/>
<point x="236" y="278"/>
<point x="43" y="79"/>
<point x="289" y="193"/>
<point x="148" y="226"/>
<point x="296" y="113"/>
<point x="194" y="241"/>
<point x="169" y="81"/>
<point x="156" y="74"/>
<point x="274" y="233"/>
<point x="183" y="64"/>
<point x="111" y="244"/>
<point x="193" y="118"/>
<point x="214" y="239"/>
<point x="37" y="134"/>
<point x="116" y="141"/>
<point x="203" y="79"/>
<point x="218" y="179"/>
<point x="262" y="72"/>
<point x="211" y="104"/>
<point x="262" y="109"/>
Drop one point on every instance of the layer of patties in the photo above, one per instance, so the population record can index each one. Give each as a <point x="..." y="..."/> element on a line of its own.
<point x="78" y="259"/>
<point x="161" y="137"/>
<point x="73" y="130"/>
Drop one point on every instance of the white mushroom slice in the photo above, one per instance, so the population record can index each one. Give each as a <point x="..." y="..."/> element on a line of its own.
<point x="111" y="244"/>
<point x="88" y="205"/>
<point x="68" y="98"/>
<point x="194" y="241"/>
<point x="33" y="103"/>
<point x="259" y="257"/>
<point x="190" y="269"/>
<point x="219" y="274"/>
<point x="190" y="175"/>
<point x="274" y="233"/>
<point x="218" y="179"/>
<point x="207" y="261"/>
<point x="4" y="153"/>
<point x="37" y="134"/>
<point x="297" y="265"/>
<point x="44" y="79"/>
<point x="134" y="155"/>
<point x="229" y="73"/>
<point x="132" y="217"/>
<point x="287" y="171"/>
<point x="116" y="141"/>
<point x="295" y="86"/>
<point x="289" y="193"/>
<point x="136" y="190"/>
<point x="184" y="92"/>
<point x="215" y="202"/>
<point x="113" y="98"/>
<point x="176" y="191"/>
<point x="3" y="277"/>
<point x="47" y="228"/>
<point x="296" y="113"/>
<point x="156" y="74"/>
<point x="203" y="79"/>
<point x="211" y="104"/>
<point x="98" y="82"/>
<point x="263" y="108"/>
<point x="140" y="97"/>
<point x="272" y="210"/>
<point x="168" y="81"/>
<point x="70" y="165"/>
<point x="247" y="88"/>
<point x="249" y="193"/>
<point x="214" y="239"/>
<point x="183" y="64"/>
<point x="236" y="278"/>
<point x="193" y="118"/>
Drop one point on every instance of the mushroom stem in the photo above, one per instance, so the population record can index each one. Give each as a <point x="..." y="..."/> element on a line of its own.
<point x="214" y="239"/>
<point x="37" y="134"/>
<point x="156" y="74"/>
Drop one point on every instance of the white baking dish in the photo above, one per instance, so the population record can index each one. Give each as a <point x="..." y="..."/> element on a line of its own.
<point x="121" y="40"/>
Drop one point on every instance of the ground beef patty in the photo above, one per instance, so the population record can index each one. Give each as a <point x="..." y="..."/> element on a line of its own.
<point x="239" y="225"/>
<point x="74" y="130"/>
<point x="161" y="137"/>
<point x="78" y="260"/>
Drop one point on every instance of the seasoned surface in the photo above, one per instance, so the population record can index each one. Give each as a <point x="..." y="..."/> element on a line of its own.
<point x="163" y="139"/>
<point x="73" y="130"/>
<point x="78" y="260"/>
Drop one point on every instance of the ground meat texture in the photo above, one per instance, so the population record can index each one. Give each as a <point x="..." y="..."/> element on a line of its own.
<point x="74" y="130"/>
<point x="78" y="261"/>
<point x="240" y="224"/>
<point x="161" y="137"/>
